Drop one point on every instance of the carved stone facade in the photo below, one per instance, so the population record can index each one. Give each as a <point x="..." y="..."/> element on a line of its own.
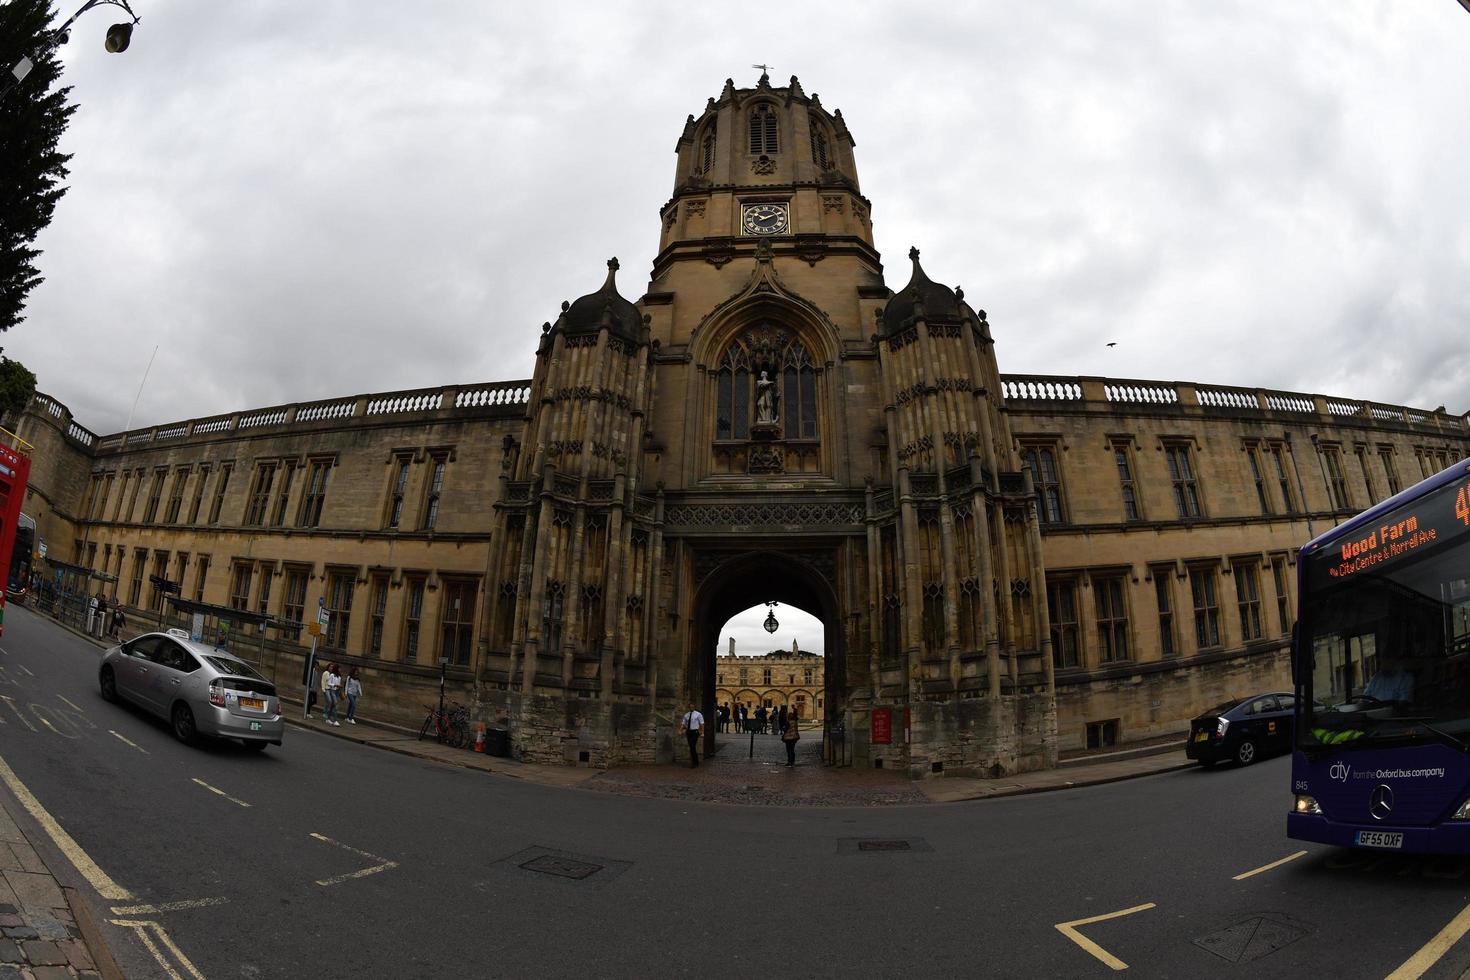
<point x="1013" y="565"/>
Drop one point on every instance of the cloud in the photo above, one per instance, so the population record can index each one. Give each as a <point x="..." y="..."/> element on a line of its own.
<point x="298" y="202"/>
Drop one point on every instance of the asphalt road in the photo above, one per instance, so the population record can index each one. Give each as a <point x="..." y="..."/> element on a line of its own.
<point x="326" y="858"/>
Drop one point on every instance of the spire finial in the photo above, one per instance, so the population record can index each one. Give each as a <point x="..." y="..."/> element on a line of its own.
<point x="914" y="254"/>
<point x="612" y="263"/>
<point x="612" y="271"/>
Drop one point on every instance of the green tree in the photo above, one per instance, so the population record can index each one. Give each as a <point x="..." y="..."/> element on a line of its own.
<point x="33" y="115"/>
<point x="17" y="385"/>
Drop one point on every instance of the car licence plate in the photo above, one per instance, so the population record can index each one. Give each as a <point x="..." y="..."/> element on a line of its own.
<point x="255" y="726"/>
<point x="1202" y="737"/>
<point x="1380" y="838"/>
<point x="256" y="703"/>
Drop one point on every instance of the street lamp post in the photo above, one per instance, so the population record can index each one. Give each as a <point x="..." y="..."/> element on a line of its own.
<point x="116" y="41"/>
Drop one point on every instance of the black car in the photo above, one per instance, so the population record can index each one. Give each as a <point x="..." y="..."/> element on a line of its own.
<point x="1242" y="729"/>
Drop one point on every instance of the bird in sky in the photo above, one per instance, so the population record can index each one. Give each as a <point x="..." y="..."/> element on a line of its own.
<point x="1112" y="343"/>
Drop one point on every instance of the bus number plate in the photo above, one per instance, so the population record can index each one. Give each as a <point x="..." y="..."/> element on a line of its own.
<point x="1380" y="838"/>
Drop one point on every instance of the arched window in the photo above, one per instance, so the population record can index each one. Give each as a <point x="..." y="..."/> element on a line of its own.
<point x="799" y="393"/>
<point x="707" y="149"/>
<point x="732" y="395"/>
<point x="763" y="129"/>
<point x="769" y="350"/>
<point x="819" y="148"/>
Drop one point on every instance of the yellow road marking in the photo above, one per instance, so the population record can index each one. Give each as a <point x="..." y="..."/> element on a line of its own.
<point x="221" y="793"/>
<point x="128" y="741"/>
<point x="1069" y="930"/>
<point x="1418" y="964"/>
<point x="192" y="903"/>
<point x="13" y="707"/>
<point x="95" y="876"/>
<point x="73" y="706"/>
<point x="142" y="927"/>
<point x="1268" y="867"/>
<point x="386" y="865"/>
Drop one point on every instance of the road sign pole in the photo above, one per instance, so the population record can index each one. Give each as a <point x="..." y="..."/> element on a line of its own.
<point x="306" y="686"/>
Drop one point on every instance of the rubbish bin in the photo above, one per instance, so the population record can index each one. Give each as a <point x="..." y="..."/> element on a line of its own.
<point x="497" y="742"/>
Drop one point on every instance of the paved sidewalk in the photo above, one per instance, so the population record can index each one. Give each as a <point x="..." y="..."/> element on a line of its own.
<point x="48" y="932"/>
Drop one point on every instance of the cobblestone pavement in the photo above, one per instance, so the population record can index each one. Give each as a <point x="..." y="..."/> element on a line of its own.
<point x="734" y="775"/>
<point x="41" y="938"/>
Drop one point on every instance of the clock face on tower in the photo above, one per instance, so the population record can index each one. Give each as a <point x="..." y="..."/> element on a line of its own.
<point x="764" y="219"/>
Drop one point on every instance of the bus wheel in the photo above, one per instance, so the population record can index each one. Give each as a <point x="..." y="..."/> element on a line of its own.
<point x="1245" y="753"/>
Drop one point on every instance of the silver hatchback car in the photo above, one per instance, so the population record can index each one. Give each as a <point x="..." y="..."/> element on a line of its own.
<point x="200" y="690"/>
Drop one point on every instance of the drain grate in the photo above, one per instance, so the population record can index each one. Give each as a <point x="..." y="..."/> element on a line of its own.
<point x="881" y="845"/>
<point x="550" y="864"/>
<point x="1251" y="939"/>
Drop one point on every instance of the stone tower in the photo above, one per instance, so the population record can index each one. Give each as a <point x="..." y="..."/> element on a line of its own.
<point x="770" y="423"/>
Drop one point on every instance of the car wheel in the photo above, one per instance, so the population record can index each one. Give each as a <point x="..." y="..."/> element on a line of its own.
<point x="1245" y="752"/>
<point x="183" y="720"/>
<point x="254" y="744"/>
<point x="108" y="683"/>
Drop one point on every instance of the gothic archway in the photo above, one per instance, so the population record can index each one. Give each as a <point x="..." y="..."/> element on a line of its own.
<point x="748" y="578"/>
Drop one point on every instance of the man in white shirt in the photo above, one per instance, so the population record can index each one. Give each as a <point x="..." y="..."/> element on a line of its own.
<point x="692" y="725"/>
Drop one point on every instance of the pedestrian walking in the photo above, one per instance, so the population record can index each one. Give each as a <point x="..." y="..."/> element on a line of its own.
<point x="760" y="719"/>
<point x="781" y="720"/>
<point x="790" y="737"/>
<point x="692" y="725"/>
<point x="331" y="687"/>
<point x="118" y="622"/>
<point x="354" y="691"/>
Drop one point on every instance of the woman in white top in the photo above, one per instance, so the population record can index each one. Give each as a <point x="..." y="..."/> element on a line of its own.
<point x="331" y="686"/>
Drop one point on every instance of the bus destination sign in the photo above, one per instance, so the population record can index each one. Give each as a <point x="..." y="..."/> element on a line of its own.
<point x="1394" y="536"/>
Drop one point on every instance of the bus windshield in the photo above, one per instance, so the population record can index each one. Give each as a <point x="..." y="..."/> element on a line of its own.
<point x="1384" y="639"/>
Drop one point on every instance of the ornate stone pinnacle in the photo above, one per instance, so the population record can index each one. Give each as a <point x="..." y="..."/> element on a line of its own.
<point x="913" y="254"/>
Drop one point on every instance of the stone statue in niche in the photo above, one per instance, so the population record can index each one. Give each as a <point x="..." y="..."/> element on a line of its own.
<point x="765" y="401"/>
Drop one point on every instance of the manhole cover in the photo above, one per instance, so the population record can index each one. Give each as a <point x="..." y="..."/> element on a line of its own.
<point x="1251" y="939"/>
<point x="549" y="864"/>
<point x="591" y="870"/>
<point x="883" y="845"/>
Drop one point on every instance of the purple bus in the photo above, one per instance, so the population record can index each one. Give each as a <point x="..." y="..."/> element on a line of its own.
<point x="1381" y="663"/>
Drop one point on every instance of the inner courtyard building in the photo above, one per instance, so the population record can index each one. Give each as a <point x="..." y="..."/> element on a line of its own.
<point x="1005" y="566"/>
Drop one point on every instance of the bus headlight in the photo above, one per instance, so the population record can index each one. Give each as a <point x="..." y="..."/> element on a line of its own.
<point x="1308" y="804"/>
<point x="1463" y="813"/>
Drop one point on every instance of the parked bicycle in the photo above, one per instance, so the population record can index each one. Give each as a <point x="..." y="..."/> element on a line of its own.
<point x="450" y="726"/>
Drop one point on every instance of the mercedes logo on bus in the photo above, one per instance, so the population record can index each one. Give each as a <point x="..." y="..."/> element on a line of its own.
<point x="1380" y="804"/>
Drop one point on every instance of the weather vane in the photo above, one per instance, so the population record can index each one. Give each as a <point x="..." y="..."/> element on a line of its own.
<point x="765" y="69"/>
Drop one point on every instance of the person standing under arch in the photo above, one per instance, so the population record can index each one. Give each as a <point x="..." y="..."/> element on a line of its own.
<point x="692" y="725"/>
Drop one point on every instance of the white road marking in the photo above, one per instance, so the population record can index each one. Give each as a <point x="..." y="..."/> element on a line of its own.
<point x="44" y="716"/>
<point x="385" y="864"/>
<point x="1268" y="867"/>
<point x="221" y="793"/>
<point x="191" y="903"/>
<point x="128" y="741"/>
<point x="95" y="876"/>
<point x="142" y="927"/>
<point x="1069" y="930"/>
<point x="23" y="720"/>
<point x="73" y="706"/>
<point x="26" y="669"/>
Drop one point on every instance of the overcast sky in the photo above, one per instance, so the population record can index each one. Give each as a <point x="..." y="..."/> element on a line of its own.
<point x="304" y="200"/>
<point x="751" y="639"/>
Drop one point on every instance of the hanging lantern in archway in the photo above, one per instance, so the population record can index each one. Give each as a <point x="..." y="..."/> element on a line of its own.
<point x="771" y="623"/>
